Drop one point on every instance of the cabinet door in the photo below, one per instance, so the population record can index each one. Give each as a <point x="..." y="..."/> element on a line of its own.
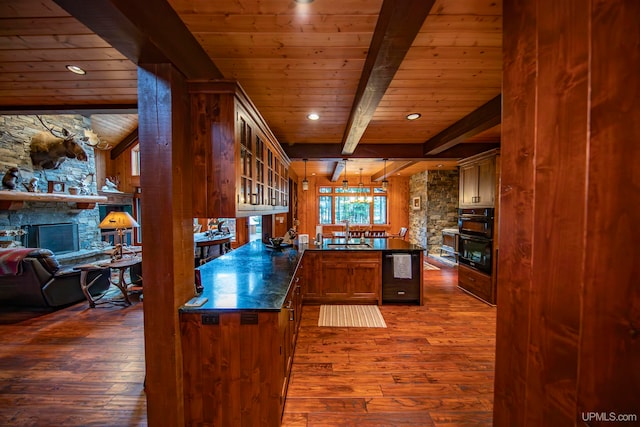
<point x="468" y="185"/>
<point x="335" y="279"/>
<point x="486" y="182"/>
<point x="364" y="280"/>
<point x="312" y="275"/>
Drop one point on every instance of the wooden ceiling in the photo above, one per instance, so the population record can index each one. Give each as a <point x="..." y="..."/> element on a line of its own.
<point x="362" y="65"/>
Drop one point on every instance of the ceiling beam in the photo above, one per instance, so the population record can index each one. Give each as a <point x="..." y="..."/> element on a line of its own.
<point x="481" y="119"/>
<point x="123" y="145"/>
<point x="337" y="171"/>
<point x="81" y="109"/>
<point x="398" y="24"/>
<point x="147" y="31"/>
<point x="392" y="168"/>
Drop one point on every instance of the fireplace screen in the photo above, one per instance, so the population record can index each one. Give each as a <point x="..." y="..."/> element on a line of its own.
<point x="58" y="238"/>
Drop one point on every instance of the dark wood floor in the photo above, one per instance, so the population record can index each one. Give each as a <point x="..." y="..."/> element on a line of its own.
<point x="431" y="366"/>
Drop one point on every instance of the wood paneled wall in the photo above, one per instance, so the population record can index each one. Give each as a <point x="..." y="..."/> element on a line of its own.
<point x="568" y="336"/>
<point x="397" y="204"/>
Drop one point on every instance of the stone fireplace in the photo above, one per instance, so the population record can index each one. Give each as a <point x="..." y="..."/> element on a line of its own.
<point x="15" y="140"/>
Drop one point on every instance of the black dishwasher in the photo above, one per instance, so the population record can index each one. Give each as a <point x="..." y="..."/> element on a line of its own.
<point x="396" y="285"/>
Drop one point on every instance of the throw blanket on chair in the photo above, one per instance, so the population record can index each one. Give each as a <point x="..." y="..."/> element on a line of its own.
<point x="10" y="259"/>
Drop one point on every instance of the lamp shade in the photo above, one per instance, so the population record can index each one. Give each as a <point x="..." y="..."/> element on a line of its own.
<point x="118" y="220"/>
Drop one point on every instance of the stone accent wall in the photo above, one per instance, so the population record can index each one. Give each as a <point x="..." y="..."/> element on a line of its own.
<point x="418" y="217"/>
<point x="15" y="143"/>
<point x="438" y="192"/>
<point x="442" y="205"/>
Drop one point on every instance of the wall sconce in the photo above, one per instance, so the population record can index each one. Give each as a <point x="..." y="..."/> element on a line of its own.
<point x="305" y="183"/>
<point x="345" y="182"/>
<point x="385" y="183"/>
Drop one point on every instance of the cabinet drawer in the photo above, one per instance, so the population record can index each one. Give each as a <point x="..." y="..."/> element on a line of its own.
<point x="476" y="283"/>
<point x="350" y="256"/>
<point x="400" y="292"/>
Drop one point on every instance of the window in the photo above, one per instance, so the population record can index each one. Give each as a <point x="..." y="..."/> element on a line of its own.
<point x="135" y="160"/>
<point x="355" y="204"/>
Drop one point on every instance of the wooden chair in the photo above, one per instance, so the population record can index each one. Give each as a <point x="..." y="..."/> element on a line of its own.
<point x="401" y="233"/>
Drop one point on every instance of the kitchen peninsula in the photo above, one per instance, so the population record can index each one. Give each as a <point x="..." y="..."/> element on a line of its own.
<point x="238" y="346"/>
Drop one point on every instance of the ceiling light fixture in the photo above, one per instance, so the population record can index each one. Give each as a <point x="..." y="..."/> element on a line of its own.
<point x="385" y="183"/>
<point x="413" y="116"/>
<point x="345" y="182"/>
<point x="361" y="185"/>
<point x="304" y="1"/>
<point x="313" y="116"/>
<point x="75" y="69"/>
<point x="305" y="183"/>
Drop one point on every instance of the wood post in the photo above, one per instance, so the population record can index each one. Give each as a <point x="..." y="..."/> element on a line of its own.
<point x="167" y="266"/>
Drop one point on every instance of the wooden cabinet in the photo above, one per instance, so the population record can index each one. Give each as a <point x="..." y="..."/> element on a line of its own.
<point x="237" y="364"/>
<point x="311" y="267"/>
<point x="240" y="168"/>
<point x="351" y="276"/>
<point x="478" y="180"/>
<point x="477" y="283"/>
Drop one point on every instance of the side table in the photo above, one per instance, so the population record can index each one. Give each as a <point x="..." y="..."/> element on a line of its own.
<point x="121" y="265"/>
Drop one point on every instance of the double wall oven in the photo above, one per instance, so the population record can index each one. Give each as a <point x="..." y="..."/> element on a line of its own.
<point x="476" y="238"/>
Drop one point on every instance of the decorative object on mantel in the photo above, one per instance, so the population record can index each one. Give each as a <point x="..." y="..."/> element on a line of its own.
<point x="111" y="184"/>
<point x="55" y="187"/>
<point x="49" y="150"/>
<point x="11" y="178"/>
<point x="85" y="184"/>
<point x="118" y="220"/>
<point x="32" y="186"/>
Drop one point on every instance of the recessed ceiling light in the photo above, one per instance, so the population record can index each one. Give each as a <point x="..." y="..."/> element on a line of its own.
<point x="439" y="165"/>
<point x="313" y="116"/>
<point x="75" y="69"/>
<point x="413" y="116"/>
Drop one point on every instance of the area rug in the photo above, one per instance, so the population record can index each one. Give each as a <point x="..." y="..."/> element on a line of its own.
<point x="428" y="266"/>
<point x="351" y="316"/>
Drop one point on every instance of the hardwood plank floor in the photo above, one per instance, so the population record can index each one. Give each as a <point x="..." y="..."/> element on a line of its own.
<point x="432" y="366"/>
<point x="73" y="367"/>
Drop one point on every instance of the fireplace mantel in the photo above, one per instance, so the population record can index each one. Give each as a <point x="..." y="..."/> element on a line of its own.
<point x="14" y="200"/>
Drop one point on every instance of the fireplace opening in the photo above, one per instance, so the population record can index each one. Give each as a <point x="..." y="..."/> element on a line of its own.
<point x="58" y="238"/>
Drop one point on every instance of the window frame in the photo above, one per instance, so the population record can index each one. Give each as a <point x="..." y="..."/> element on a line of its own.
<point x="337" y="191"/>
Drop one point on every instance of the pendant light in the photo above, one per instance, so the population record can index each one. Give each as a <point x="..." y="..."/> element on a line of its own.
<point x="385" y="183"/>
<point x="345" y="182"/>
<point x="305" y="183"/>
<point x="361" y="185"/>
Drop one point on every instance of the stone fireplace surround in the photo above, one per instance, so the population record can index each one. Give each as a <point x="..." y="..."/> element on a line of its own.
<point x="15" y="140"/>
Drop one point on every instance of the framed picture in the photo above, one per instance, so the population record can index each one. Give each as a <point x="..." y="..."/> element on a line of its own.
<point x="415" y="203"/>
<point x="55" y="187"/>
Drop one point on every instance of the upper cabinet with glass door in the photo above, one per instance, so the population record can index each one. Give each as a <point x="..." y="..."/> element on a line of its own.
<point x="239" y="167"/>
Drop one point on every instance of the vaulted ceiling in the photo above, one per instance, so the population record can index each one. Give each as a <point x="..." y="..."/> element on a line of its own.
<point x="361" y="65"/>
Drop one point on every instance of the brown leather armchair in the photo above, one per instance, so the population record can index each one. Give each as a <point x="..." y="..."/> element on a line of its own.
<point x="42" y="282"/>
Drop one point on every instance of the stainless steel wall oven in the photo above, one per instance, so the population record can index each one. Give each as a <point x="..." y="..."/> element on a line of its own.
<point x="475" y="241"/>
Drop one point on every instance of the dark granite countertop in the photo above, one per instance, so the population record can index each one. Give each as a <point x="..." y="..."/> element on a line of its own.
<point x="251" y="277"/>
<point x="255" y="277"/>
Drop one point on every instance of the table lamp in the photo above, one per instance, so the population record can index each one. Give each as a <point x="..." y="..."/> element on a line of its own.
<point x="120" y="221"/>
